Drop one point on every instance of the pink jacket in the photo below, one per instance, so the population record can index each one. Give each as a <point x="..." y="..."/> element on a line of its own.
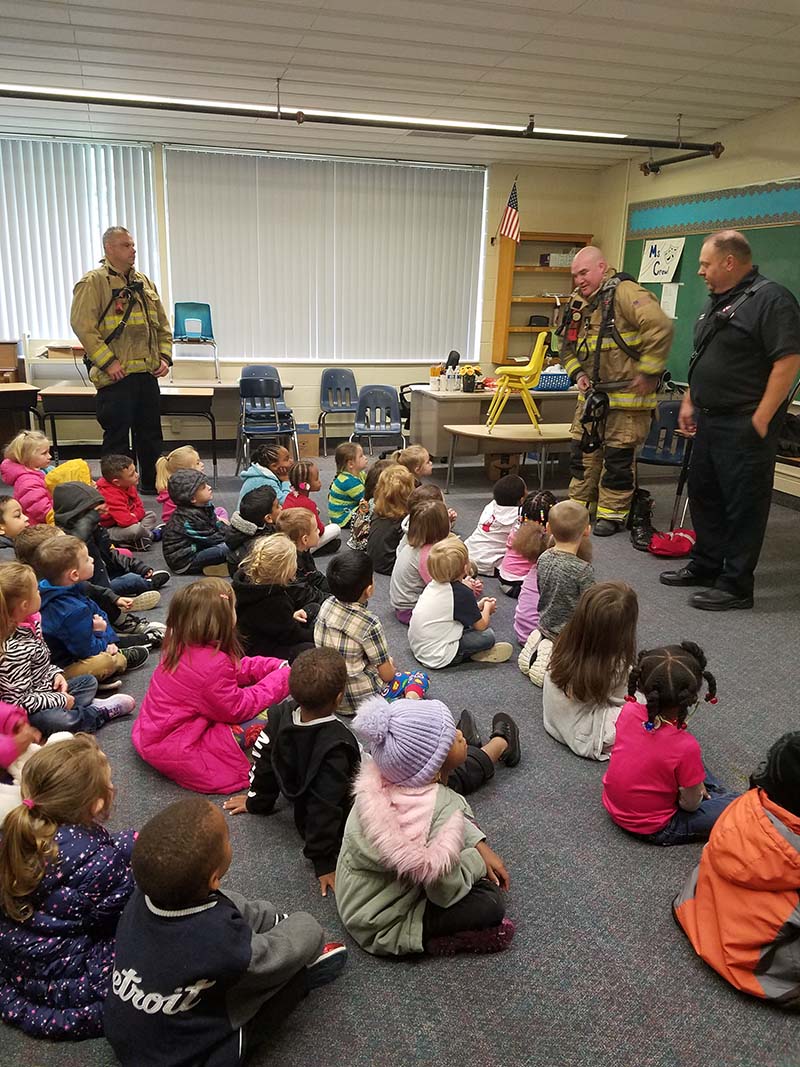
<point x="29" y="489"/>
<point x="10" y="717"/>
<point x="167" y="505"/>
<point x="183" y="728"/>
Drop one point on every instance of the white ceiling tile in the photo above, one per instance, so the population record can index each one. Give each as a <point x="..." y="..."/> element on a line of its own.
<point x="691" y="18"/>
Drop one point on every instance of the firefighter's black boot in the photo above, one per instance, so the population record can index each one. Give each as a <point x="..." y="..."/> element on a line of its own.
<point x="640" y="520"/>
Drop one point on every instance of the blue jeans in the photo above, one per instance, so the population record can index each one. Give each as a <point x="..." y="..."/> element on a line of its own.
<point x="130" y="584"/>
<point x="83" y="716"/>
<point x="473" y="641"/>
<point x="208" y="557"/>
<point x="686" y="826"/>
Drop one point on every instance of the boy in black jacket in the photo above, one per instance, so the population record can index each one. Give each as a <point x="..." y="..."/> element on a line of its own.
<point x="202" y="975"/>
<point x="193" y="539"/>
<point x="307" y="754"/>
<point x="255" y="518"/>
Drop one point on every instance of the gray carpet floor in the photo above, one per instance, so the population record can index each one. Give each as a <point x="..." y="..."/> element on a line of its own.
<point x="599" y="974"/>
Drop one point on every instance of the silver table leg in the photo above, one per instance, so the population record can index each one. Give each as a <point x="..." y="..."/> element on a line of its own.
<point x="451" y="463"/>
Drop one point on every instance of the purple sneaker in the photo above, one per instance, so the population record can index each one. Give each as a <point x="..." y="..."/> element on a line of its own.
<point x="480" y="942"/>
<point x="116" y="707"/>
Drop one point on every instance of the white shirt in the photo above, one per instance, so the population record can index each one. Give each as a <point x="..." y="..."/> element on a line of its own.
<point x="487" y="543"/>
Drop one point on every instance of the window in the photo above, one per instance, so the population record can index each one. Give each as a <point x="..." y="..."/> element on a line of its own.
<point x="57" y="199"/>
<point x="327" y="259"/>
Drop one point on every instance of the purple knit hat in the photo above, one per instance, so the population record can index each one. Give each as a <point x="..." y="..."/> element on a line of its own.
<point x="408" y="739"/>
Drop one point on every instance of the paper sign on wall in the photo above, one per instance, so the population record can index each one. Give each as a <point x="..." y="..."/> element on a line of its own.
<point x="660" y="259"/>
<point x="669" y="298"/>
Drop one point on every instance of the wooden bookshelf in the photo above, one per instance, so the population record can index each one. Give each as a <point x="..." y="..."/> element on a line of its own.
<point x="519" y="271"/>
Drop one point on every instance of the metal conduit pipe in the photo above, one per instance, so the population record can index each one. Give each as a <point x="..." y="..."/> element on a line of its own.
<point x="697" y="148"/>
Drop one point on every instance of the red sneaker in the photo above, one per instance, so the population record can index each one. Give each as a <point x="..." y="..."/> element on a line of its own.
<point x="328" y="966"/>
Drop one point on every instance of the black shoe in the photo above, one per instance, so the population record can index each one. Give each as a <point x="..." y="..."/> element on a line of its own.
<point x="685" y="576"/>
<point x="469" y="728"/>
<point x="129" y="623"/>
<point x="504" y="726"/>
<point x="606" y="527"/>
<point x="719" y="600"/>
<point x="135" y="656"/>
<point x="159" y="578"/>
<point x="640" y="520"/>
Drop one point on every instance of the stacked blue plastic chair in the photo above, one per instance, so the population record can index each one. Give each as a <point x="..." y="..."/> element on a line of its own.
<point x="378" y="416"/>
<point x="263" y="413"/>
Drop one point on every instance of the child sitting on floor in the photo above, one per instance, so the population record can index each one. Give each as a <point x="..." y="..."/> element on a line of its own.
<point x="415" y="459"/>
<point x="126" y="520"/>
<point x="28" y="676"/>
<point x="64" y="881"/>
<point x="76" y="630"/>
<point x="395" y="486"/>
<point x="270" y="466"/>
<point x="13" y="521"/>
<point x="448" y="626"/>
<point x="192" y="726"/>
<point x="362" y="516"/>
<point x="308" y="755"/>
<point x="216" y="973"/>
<point x="18" y="741"/>
<point x="26" y="457"/>
<point x="415" y="873"/>
<point x="523" y="541"/>
<point x="656" y="785"/>
<point x="78" y="511"/>
<point x="347" y="488"/>
<point x="562" y="576"/>
<point x="255" y="518"/>
<point x="194" y="538"/>
<point x="428" y="523"/>
<point x="275" y="616"/>
<point x="345" y="624"/>
<point x="487" y="543"/>
<point x="182" y="458"/>
<point x="301" y="529"/>
<point x="585" y="687"/>
<point x="739" y="905"/>
<point x="304" y="480"/>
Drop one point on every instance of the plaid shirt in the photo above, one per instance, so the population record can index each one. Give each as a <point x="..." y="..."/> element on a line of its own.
<point x="358" y="635"/>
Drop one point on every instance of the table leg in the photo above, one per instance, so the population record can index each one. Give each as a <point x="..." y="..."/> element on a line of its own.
<point x="213" y="424"/>
<point x="451" y="463"/>
<point x="542" y="464"/>
<point x="54" y="439"/>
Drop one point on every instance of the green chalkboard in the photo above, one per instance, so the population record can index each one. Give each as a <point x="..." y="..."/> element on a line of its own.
<point x="776" y="250"/>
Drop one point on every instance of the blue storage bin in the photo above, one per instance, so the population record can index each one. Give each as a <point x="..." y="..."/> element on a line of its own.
<point x="549" y="383"/>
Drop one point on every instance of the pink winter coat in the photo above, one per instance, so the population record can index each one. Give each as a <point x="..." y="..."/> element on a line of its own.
<point x="11" y="717"/>
<point x="183" y="728"/>
<point x="29" y="489"/>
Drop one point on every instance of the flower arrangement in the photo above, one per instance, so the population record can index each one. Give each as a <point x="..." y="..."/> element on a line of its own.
<point x="470" y="371"/>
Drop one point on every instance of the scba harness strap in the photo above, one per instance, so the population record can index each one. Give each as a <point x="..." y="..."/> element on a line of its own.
<point x="575" y="311"/>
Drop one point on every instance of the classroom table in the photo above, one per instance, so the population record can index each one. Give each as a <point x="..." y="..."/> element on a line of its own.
<point x="65" y="400"/>
<point x="432" y="409"/>
<point x="19" y="397"/>
<point x="515" y="438"/>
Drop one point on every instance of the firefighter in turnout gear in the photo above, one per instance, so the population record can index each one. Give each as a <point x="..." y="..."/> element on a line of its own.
<point x="118" y="317"/>
<point x="614" y="344"/>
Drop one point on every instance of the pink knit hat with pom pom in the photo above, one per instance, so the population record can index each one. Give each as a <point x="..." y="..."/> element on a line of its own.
<point x="408" y="739"/>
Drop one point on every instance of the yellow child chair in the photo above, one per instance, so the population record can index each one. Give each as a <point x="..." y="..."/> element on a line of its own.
<point x="520" y="380"/>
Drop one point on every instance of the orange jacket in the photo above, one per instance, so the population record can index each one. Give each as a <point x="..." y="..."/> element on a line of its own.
<point x="125" y="507"/>
<point x="740" y="907"/>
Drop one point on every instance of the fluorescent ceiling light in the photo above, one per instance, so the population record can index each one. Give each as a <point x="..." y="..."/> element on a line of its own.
<point x="91" y="96"/>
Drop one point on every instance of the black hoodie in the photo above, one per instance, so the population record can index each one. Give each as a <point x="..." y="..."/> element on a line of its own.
<point x="75" y="512"/>
<point x="265" y="617"/>
<point x="313" y="765"/>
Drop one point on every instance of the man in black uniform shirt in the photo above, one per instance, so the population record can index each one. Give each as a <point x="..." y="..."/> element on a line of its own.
<point x="746" y="358"/>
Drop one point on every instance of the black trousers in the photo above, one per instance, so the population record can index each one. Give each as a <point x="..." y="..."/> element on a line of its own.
<point x="730" y="493"/>
<point x="481" y="908"/>
<point x="473" y="772"/>
<point x="272" y="1015"/>
<point x="134" y="403"/>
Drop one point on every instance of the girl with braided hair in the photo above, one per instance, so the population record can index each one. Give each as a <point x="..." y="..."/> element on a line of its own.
<point x="657" y="786"/>
<point x="739" y="906"/>
<point x="304" y="480"/>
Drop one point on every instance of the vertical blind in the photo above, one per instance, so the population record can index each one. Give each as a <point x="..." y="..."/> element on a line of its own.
<point x="327" y="259"/>
<point x="56" y="199"/>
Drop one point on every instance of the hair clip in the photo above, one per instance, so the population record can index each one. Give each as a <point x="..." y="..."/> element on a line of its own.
<point x="28" y="802"/>
<point x="305" y="486"/>
<point x="224" y="596"/>
<point x="648" y="725"/>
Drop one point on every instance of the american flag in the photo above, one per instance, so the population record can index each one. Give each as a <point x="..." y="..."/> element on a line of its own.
<point x="509" y="227"/>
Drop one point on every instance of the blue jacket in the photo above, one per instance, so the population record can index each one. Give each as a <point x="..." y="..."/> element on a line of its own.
<point x="55" y="968"/>
<point x="67" y="616"/>
<point x="254" y="477"/>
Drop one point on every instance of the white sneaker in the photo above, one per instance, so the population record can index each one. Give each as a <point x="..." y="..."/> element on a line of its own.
<point x="500" y="652"/>
<point x="151" y="598"/>
<point x="116" y="707"/>
<point x="528" y="653"/>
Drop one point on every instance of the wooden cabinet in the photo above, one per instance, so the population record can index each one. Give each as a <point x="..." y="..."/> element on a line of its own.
<point x="530" y="277"/>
